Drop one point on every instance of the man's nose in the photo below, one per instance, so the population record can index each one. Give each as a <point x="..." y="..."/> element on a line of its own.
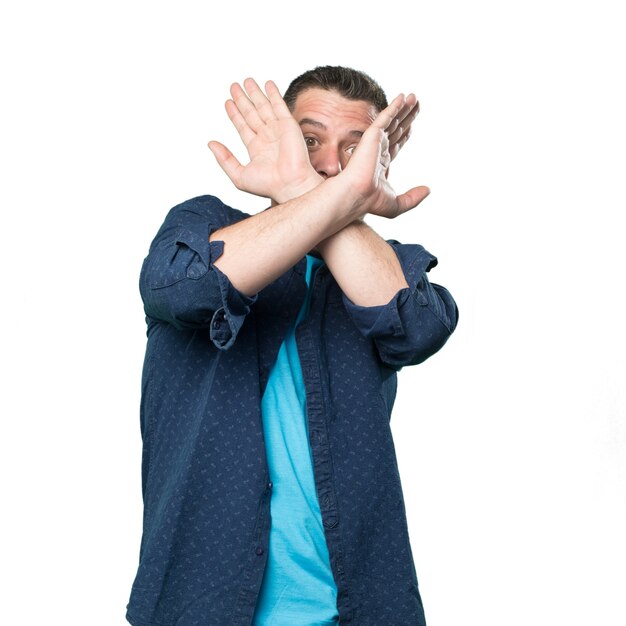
<point x="328" y="164"/>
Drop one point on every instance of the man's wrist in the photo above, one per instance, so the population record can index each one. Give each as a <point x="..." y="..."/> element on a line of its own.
<point x="348" y="230"/>
<point x="300" y="188"/>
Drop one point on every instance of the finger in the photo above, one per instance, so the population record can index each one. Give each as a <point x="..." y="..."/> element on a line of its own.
<point x="243" y="128"/>
<point x="386" y="117"/>
<point x="397" y="134"/>
<point x="227" y="161"/>
<point x="402" y="113"/>
<point x="404" y="119"/>
<point x="410" y="199"/>
<point x="410" y="110"/>
<point x="280" y="107"/>
<point x="246" y="108"/>
<point x="400" y="136"/>
<point x="413" y="105"/>
<point x="410" y="115"/>
<point x="395" y="147"/>
<point x="260" y="100"/>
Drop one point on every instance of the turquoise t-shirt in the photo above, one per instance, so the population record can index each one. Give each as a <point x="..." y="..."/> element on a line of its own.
<point x="298" y="586"/>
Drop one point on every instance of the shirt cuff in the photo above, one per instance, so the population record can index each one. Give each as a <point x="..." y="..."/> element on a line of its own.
<point x="386" y="320"/>
<point x="229" y="318"/>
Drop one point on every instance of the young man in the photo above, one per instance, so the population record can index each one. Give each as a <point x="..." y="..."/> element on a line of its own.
<point x="271" y="490"/>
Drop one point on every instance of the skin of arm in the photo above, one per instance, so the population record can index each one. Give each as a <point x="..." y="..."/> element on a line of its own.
<point x="312" y="211"/>
<point x="364" y="265"/>
<point x="259" y="249"/>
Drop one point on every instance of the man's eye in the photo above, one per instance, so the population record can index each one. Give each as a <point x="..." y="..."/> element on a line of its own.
<point x="311" y="142"/>
<point x="350" y="150"/>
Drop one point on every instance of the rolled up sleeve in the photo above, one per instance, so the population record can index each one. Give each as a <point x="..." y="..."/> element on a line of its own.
<point x="417" y="321"/>
<point x="179" y="283"/>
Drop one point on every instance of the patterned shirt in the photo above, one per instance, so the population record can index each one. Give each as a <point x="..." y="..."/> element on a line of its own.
<point x="205" y="480"/>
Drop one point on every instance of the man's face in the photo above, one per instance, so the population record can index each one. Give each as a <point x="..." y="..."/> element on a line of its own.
<point x="332" y="127"/>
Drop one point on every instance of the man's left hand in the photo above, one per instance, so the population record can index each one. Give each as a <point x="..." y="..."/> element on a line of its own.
<point x="400" y="129"/>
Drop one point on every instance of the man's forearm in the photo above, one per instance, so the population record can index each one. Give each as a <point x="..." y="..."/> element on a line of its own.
<point x="363" y="264"/>
<point x="259" y="249"/>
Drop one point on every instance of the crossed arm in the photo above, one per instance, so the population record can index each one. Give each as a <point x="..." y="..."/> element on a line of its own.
<point x="313" y="212"/>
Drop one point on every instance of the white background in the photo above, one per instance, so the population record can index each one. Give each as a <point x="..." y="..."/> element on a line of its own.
<point x="511" y="441"/>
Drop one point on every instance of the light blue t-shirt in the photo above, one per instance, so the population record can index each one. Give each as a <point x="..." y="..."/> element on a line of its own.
<point x="298" y="586"/>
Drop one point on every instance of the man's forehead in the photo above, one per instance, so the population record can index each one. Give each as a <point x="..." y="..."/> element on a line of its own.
<point x="323" y="106"/>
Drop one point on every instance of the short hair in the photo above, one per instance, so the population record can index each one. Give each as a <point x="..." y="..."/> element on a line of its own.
<point x="349" y="83"/>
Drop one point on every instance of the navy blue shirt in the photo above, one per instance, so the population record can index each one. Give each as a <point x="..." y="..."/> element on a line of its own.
<point x="205" y="479"/>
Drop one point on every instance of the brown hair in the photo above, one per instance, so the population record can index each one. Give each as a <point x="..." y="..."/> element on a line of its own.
<point x="349" y="83"/>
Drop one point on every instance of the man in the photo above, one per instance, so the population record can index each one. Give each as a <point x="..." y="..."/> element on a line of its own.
<point x="271" y="490"/>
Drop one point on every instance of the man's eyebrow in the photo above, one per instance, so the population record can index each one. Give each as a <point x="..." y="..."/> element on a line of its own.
<point x="311" y="122"/>
<point x="308" y="120"/>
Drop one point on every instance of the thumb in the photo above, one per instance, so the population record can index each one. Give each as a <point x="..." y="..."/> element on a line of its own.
<point x="411" y="198"/>
<point x="226" y="160"/>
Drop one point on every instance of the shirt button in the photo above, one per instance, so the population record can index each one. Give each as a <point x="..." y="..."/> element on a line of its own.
<point x="270" y="485"/>
<point x="259" y="550"/>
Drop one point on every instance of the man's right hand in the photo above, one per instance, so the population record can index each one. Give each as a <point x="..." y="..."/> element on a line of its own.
<point x="279" y="166"/>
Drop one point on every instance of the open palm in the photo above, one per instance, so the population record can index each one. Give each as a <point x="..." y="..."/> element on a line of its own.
<point x="279" y="166"/>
